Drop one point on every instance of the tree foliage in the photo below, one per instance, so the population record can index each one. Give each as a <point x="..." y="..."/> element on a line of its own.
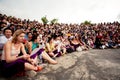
<point x="44" y="20"/>
<point x="54" y="21"/>
<point x="87" y="22"/>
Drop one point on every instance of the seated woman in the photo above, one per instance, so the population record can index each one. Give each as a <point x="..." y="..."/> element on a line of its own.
<point x="69" y="48"/>
<point x="34" y="44"/>
<point x="76" y="44"/>
<point x="98" y="38"/>
<point x="58" y="41"/>
<point x="83" y="45"/>
<point x="29" y="36"/>
<point x="90" y="42"/>
<point x="12" y="63"/>
<point x="50" y="47"/>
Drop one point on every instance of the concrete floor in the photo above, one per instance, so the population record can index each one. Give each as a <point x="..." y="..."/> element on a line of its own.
<point x="94" y="64"/>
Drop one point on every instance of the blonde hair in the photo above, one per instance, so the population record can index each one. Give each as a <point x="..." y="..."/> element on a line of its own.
<point x="16" y="34"/>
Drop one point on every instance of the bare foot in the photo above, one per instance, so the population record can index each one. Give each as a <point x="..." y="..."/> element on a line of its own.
<point x="52" y="61"/>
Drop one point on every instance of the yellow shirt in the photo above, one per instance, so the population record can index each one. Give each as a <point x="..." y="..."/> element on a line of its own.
<point x="50" y="46"/>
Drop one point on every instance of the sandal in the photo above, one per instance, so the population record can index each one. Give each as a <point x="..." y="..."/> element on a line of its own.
<point x="39" y="68"/>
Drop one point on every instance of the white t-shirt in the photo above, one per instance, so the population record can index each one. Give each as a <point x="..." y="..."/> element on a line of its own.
<point x="3" y="39"/>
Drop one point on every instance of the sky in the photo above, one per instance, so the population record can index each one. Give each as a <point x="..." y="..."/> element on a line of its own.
<point x="66" y="11"/>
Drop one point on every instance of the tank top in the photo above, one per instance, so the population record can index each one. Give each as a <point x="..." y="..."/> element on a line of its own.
<point x="51" y="46"/>
<point x="34" y="45"/>
<point x="14" y="51"/>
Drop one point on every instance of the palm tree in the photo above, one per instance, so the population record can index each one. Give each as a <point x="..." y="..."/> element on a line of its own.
<point x="87" y="22"/>
<point x="54" y="21"/>
<point x="44" y="20"/>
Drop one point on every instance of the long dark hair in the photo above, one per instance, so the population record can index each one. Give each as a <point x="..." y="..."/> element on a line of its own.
<point x="49" y="39"/>
<point x="34" y="37"/>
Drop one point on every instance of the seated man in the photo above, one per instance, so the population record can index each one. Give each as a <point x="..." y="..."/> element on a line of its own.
<point x="7" y="35"/>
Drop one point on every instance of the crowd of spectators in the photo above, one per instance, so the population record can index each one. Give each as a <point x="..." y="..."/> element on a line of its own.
<point x="101" y="35"/>
<point x="60" y="38"/>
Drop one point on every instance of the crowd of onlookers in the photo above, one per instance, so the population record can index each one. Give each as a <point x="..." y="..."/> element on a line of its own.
<point x="60" y="38"/>
<point x="101" y="35"/>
